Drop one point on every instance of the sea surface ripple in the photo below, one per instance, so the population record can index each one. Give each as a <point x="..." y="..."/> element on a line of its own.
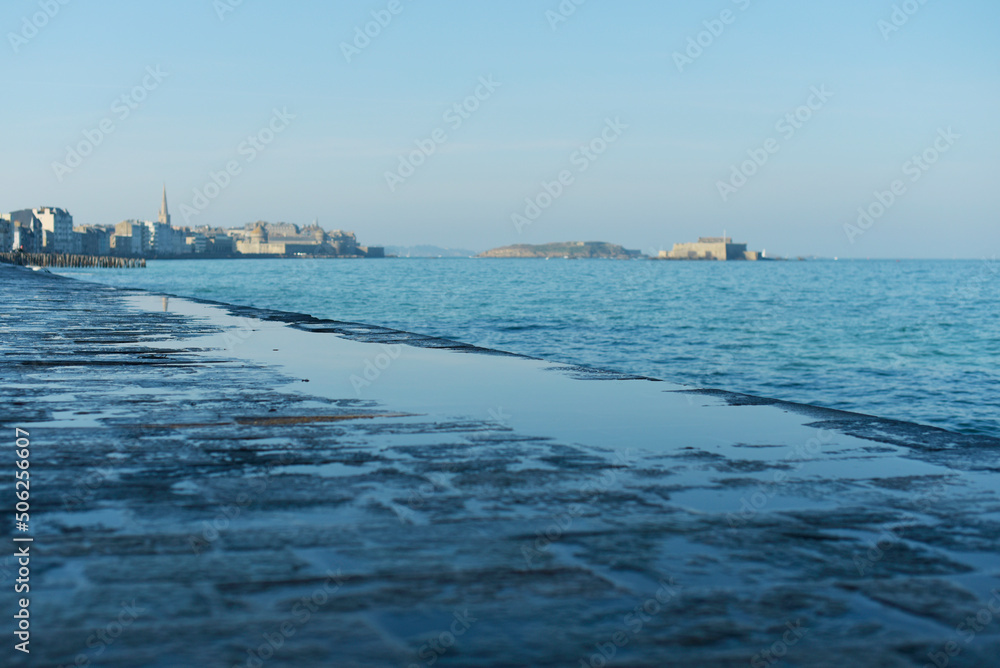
<point x="915" y="340"/>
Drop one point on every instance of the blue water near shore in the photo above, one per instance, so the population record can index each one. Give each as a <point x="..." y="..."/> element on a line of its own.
<point x="913" y="340"/>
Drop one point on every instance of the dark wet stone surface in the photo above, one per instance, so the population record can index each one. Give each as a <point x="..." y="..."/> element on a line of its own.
<point x="216" y="491"/>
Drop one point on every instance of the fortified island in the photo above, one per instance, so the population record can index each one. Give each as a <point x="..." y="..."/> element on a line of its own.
<point x="711" y="248"/>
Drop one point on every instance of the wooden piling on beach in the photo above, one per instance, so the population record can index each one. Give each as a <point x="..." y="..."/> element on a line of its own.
<point x="71" y="261"/>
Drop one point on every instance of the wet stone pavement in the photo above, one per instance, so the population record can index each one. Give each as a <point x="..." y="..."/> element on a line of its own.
<point x="195" y="502"/>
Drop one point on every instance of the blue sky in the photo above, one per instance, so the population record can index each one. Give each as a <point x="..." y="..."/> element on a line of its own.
<point x="680" y="130"/>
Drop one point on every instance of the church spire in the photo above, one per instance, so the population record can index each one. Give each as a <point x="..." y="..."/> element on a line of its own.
<point x="164" y="214"/>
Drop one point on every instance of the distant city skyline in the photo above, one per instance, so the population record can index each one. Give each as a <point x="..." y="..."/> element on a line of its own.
<point x="851" y="129"/>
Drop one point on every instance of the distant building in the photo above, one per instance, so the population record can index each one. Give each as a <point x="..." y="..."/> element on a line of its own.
<point x="57" y="229"/>
<point x="131" y="239"/>
<point x="344" y="243"/>
<point x="25" y="231"/>
<point x="75" y="243"/>
<point x="164" y="214"/>
<point x="164" y="240"/>
<point x="710" y="248"/>
<point x="25" y="217"/>
<point x="278" y="231"/>
<point x="27" y="239"/>
<point x="6" y="233"/>
<point x="93" y="240"/>
<point x="256" y="243"/>
<point x="263" y="238"/>
<point x="196" y="243"/>
<point x="221" y="244"/>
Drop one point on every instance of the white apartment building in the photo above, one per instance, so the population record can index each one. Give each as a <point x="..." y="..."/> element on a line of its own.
<point x="57" y="229"/>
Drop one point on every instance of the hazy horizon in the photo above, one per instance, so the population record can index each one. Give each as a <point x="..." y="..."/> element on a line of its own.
<point x="172" y="94"/>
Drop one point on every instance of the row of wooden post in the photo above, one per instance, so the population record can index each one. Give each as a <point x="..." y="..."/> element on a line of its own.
<point x="67" y="260"/>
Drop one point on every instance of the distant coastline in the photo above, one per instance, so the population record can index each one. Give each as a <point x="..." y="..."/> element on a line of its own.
<point x="50" y="230"/>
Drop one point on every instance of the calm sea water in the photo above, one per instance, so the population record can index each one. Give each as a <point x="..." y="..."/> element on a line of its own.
<point x="912" y="340"/>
